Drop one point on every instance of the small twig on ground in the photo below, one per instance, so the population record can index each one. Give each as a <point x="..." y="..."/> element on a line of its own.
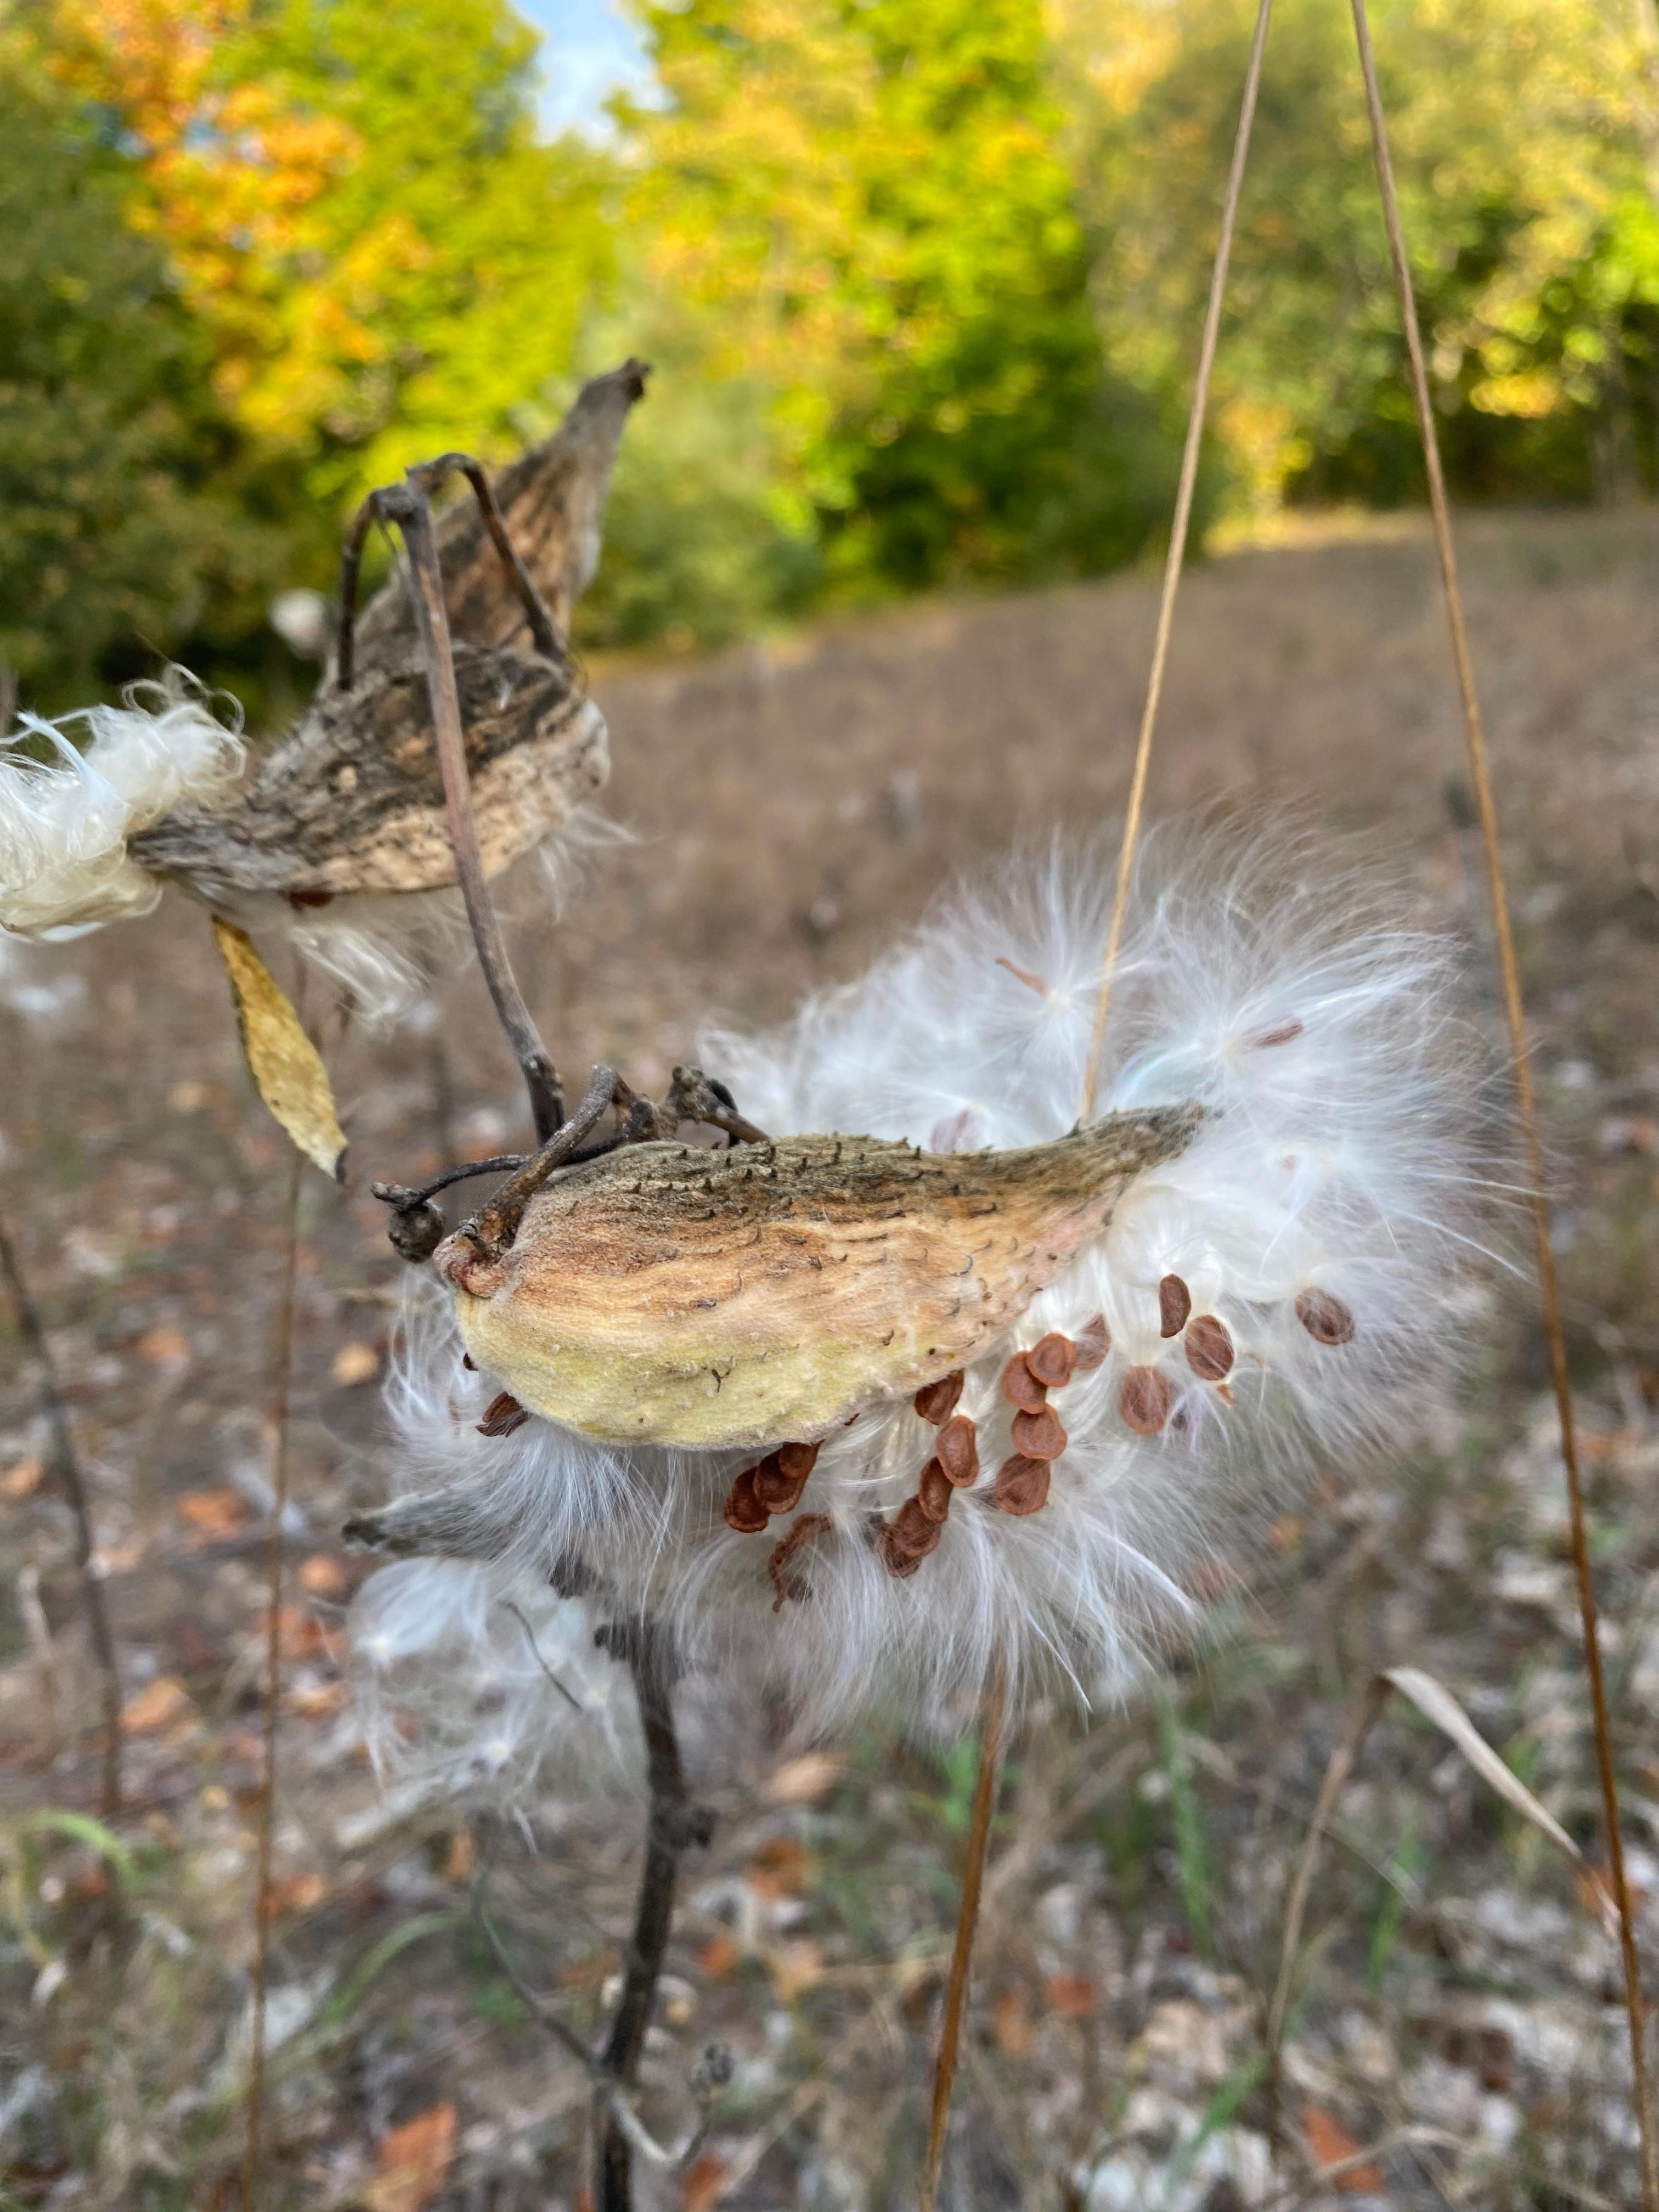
<point x="973" y="1876"/>
<point x="282" y="1350"/>
<point x="67" y="1468"/>
<point x="1485" y="804"/>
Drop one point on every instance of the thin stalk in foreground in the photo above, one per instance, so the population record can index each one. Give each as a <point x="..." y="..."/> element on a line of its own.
<point x="282" y="1353"/>
<point x="1480" y="776"/>
<point x="973" y="1881"/>
<point x="67" y="1468"/>
<point x="1175" y="558"/>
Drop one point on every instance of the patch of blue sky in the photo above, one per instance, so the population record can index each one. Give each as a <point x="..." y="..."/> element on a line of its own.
<point x="590" y="49"/>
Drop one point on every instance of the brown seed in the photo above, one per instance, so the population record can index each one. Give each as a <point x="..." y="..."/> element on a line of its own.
<point x="911" y="1532"/>
<point x="1283" y="1034"/>
<point x="1325" y="1317"/>
<point x="1209" y="1348"/>
<point x="937" y="1401"/>
<point x="775" y="1488"/>
<point x="1052" y="1359"/>
<point x="797" y="1460"/>
<point x="502" y="1415"/>
<point x="958" y="1452"/>
<point x="1175" y="1303"/>
<point x="1020" y="1387"/>
<point x="1021" y="1485"/>
<point x="934" y="1491"/>
<point x="1145" y="1399"/>
<point x="744" y="1510"/>
<point x="1040" y="1435"/>
<point x="900" y="1563"/>
<point x="785" y="1583"/>
<point x="1092" y="1343"/>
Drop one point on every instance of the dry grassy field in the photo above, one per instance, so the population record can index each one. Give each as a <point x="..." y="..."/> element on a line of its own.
<point x="791" y="805"/>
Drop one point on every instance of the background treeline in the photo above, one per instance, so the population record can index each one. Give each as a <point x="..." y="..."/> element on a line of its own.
<point x="922" y="279"/>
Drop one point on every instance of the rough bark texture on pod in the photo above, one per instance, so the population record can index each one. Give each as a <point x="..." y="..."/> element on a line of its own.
<point x="350" y="801"/>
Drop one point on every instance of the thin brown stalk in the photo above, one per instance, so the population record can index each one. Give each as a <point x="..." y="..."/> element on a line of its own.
<point x="673" y="1822"/>
<point x="281" y="1352"/>
<point x="1480" y="776"/>
<point x="1341" y="1766"/>
<point x="67" y="1468"/>
<point x="1175" y="558"/>
<point x="973" y="1879"/>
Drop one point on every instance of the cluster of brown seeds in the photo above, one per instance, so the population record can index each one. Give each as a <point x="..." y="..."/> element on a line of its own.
<point x="1039" y="1436"/>
<point x="773" y="1486"/>
<point x="501" y="1415"/>
<point x="915" y="1530"/>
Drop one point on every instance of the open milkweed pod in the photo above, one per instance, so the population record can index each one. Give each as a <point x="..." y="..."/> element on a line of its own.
<point x="1282" y="1284"/>
<point x="338" y="834"/>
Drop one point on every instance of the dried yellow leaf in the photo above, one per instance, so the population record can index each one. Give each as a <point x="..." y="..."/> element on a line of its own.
<point x="285" y="1065"/>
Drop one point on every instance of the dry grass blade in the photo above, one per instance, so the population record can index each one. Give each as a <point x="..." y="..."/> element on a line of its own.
<point x="281" y="1362"/>
<point x="286" y="1066"/>
<point x="1177" y="553"/>
<point x="991" y="1724"/>
<point x="1480" y="776"/>
<point x="1436" y="1704"/>
<point x="67" y="1468"/>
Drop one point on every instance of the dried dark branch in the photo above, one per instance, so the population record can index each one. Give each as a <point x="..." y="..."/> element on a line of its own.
<point x="672" y="1823"/>
<point x="67" y="1469"/>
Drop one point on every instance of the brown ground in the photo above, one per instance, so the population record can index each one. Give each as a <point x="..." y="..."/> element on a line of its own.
<point x="792" y="805"/>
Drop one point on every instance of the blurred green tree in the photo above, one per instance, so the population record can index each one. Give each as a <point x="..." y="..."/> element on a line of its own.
<point x="123" y="528"/>
<point x="865" y="204"/>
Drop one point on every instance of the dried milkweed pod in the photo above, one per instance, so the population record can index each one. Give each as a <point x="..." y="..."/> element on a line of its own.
<point x="338" y="830"/>
<point x="1297" y="1050"/>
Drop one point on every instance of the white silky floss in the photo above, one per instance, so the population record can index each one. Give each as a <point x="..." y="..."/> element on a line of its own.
<point x="1325" y="1215"/>
<point x="64" y="823"/>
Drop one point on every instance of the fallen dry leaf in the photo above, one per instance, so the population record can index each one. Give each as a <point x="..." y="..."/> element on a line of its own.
<point x="316" y="1701"/>
<point x="805" y="1780"/>
<point x="212" y="1514"/>
<point x="295" y="1893"/>
<point x="164" y="1347"/>
<point x="1330" y="2143"/>
<point x="705" y="2182"/>
<point x="287" y="1069"/>
<point x="1073" y="1996"/>
<point x="22" y="1478"/>
<point x="778" y="1868"/>
<point x="1012" y="2027"/>
<point x="323" y="1575"/>
<point x="354" y="1363"/>
<point x="718" y="1956"/>
<point x="460" y="1858"/>
<point x="794" y="1967"/>
<point x="158" y="1703"/>
<point x="412" y="2161"/>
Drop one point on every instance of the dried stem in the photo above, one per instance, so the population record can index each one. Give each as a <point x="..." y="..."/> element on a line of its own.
<point x="1341" y="1766"/>
<point x="672" y="1823"/>
<point x="282" y="1349"/>
<point x="67" y="1468"/>
<point x="1177" y="553"/>
<point x="973" y="1878"/>
<point x="1480" y="776"/>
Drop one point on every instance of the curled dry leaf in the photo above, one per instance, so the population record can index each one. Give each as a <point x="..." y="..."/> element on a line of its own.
<point x="1436" y="1703"/>
<point x="287" y="1069"/>
<point x="412" y="2162"/>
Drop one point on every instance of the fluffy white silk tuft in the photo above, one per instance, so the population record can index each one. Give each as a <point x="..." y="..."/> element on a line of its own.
<point x="1336" y="1180"/>
<point x="64" y="822"/>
